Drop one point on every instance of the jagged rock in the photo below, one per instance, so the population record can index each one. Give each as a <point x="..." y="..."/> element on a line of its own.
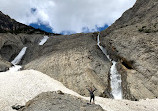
<point x="51" y="101"/>
<point x="4" y="65"/>
<point x="60" y="92"/>
<point x="10" y="25"/>
<point x="17" y="107"/>
<point x="134" y="38"/>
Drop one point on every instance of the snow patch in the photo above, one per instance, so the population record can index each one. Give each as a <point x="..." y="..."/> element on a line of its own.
<point x="43" y="40"/>
<point x="22" y="86"/>
<point x="15" y="68"/>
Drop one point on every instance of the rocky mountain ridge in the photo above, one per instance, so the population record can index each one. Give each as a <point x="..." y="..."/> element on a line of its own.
<point x="134" y="41"/>
<point x="9" y="25"/>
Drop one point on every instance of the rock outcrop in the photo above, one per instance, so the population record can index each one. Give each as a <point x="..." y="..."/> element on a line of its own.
<point x="52" y="101"/>
<point x="10" y="25"/>
<point x="11" y="44"/>
<point x="133" y="40"/>
<point x="13" y="37"/>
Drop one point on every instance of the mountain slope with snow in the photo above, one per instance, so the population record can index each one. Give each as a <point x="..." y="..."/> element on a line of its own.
<point x="25" y="85"/>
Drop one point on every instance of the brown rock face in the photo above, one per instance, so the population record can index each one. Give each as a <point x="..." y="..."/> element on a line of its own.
<point x="51" y="101"/>
<point x="134" y="37"/>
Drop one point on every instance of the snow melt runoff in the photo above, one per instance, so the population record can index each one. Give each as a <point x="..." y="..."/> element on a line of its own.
<point x="115" y="77"/>
<point x="17" y="60"/>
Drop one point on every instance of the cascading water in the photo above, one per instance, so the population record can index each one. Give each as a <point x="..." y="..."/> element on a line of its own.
<point x="44" y="40"/>
<point x="15" y="68"/>
<point x="19" y="56"/>
<point x="115" y="82"/>
<point x="17" y="60"/>
<point x="115" y="77"/>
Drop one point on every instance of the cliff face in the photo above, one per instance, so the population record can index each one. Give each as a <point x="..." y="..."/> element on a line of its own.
<point x="134" y="37"/>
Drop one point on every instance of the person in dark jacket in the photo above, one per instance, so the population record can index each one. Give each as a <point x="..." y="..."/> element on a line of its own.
<point x="91" y="92"/>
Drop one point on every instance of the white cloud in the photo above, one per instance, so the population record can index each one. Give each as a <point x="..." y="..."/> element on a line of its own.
<point x="67" y="15"/>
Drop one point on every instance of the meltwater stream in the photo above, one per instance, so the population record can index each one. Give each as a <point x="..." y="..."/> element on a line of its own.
<point x="115" y="77"/>
<point x="17" y="60"/>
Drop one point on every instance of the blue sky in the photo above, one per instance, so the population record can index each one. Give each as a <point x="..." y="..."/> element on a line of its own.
<point x="41" y="26"/>
<point x="47" y="28"/>
<point x="66" y="16"/>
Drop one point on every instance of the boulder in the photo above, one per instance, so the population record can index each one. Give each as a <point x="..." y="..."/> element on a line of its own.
<point x="52" y="101"/>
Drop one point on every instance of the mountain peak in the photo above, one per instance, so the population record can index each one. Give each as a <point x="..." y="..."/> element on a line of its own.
<point x="8" y="24"/>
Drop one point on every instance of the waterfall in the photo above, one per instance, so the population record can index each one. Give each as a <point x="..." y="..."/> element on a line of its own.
<point x="43" y="40"/>
<point x="115" y="77"/>
<point x="17" y="60"/>
<point x="19" y="56"/>
<point x="115" y="82"/>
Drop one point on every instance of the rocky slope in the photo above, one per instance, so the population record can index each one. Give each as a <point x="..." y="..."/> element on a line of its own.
<point x="11" y="44"/>
<point x="10" y="25"/>
<point x="74" y="60"/>
<point x="52" y="101"/>
<point x="77" y="62"/>
<point x="133" y="40"/>
<point x="37" y="91"/>
<point x="25" y="85"/>
<point x="13" y="37"/>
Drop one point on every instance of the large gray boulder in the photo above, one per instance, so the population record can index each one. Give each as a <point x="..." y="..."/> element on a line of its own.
<point x="52" y="101"/>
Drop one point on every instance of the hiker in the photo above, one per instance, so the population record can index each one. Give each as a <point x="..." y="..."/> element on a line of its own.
<point x="91" y="92"/>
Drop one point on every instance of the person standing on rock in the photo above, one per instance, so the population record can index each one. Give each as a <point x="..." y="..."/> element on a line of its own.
<point x="91" y="92"/>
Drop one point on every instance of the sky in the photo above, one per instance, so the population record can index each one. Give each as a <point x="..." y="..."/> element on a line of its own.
<point x="66" y="16"/>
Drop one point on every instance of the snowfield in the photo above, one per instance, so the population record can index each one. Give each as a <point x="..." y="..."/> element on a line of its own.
<point x="22" y="86"/>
